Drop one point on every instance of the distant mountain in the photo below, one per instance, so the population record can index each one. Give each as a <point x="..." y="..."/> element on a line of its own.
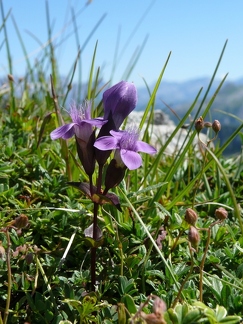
<point x="180" y="95"/>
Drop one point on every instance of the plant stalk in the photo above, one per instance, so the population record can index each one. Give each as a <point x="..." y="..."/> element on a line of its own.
<point x="5" y="318"/>
<point x="187" y="277"/>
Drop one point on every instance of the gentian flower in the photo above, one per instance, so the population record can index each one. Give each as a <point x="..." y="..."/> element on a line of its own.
<point x="118" y="101"/>
<point x="127" y="146"/>
<point x="82" y="128"/>
<point x="81" y="125"/>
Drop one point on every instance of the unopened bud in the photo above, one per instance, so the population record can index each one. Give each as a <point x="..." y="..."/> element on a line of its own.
<point x="114" y="175"/>
<point x="221" y="213"/>
<point x="191" y="216"/>
<point x="10" y="77"/>
<point x="199" y="124"/>
<point x="193" y="236"/>
<point x="216" y="126"/>
<point x="207" y="124"/>
<point x="21" y="221"/>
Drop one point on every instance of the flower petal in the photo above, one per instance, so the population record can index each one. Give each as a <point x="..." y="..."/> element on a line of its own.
<point x="65" y="131"/>
<point x="131" y="159"/>
<point x="145" y="148"/>
<point x="95" y="122"/>
<point x="117" y="134"/>
<point x="106" y="143"/>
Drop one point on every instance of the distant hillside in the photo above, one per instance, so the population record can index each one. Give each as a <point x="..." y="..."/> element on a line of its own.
<point x="180" y="95"/>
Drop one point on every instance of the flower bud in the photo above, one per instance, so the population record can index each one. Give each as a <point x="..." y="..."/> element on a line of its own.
<point x="21" y="221"/>
<point x="114" y="175"/>
<point x="216" y="126"/>
<point x="199" y="124"/>
<point x="191" y="216"/>
<point x="221" y="213"/>
<point x="10" y="77"/>
<point x="193" y="236"/>
<point x="207" y="124"/>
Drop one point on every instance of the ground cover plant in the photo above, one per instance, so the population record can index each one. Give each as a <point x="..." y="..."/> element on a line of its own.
<point x="93" y="233"/>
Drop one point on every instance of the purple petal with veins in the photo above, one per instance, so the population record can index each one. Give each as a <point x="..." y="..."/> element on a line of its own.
<point x="127" y="145"/>
<point x="81" y="126"/>
<point x="106" y="143"/>
<point x="131" y="159"/>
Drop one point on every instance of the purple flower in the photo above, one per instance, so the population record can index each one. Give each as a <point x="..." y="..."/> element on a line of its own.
<point x="127" y="146"/>
<point x="82" y="128"/>
<point x="119" y="101"/>
<point x="81" y="125"/>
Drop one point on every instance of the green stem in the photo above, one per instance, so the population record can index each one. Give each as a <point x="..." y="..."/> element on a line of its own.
<point x="93" y="249"/>
<point x="45" y="280"/>
<point x="6" y="39"/>
<point x="175" y="242"/>
<point x="5" y="318"/>
<point x="152" y="240"/>
<point x="185" y="280"/>
<point x="202" y="265"/>
<point x="204" y="258"/>
<point x="95" y="224"/>
<point x="147" y="257"/>
<point x="228" y="185"/>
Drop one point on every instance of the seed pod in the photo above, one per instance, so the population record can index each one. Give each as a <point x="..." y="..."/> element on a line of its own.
<point x="193" y="236"/>
<point x="10" y="77"/>
<point x="221" y="213"/>
<point x="191" y="216"/>
<point x="21" y="221"/>
<point x="207" y="124"/>
<point x="199" y="124"/>
<point x="216" y="126"/>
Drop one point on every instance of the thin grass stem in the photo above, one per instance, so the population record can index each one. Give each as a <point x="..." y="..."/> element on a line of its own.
<point x="152" y="240"/>
<point x="8" y="252"/>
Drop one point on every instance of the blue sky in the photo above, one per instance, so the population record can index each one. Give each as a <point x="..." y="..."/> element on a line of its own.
<point x="194" y="31"/>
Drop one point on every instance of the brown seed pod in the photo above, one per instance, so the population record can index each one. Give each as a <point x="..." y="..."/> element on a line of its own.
<point x="191" y="216"/>
<point x="199" y="124"/>
<point x="221" y="213"/>
<point x="193" y="236"/>
<point x="21" y="221"/>
<point x="216" y="126"/>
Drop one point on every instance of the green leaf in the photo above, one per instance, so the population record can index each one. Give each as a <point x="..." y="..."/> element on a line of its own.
<point x="221" y="313"/>
<point x="129" y="303"/>
<point x="231" y="320"/>
<point x="192" y="316"/>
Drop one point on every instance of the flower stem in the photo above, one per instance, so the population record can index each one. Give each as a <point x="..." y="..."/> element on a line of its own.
<point x="99" y="180"/>
<point x="204" y="258"/>
<point x="202" y="265"/>
<point x="187" y="277"/>
<point x="91" y="186"/>
<point x="93" y="249"/>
